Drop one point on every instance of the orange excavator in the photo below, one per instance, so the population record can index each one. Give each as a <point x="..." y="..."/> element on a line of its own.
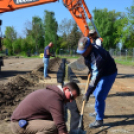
<point x="77" y="8"/>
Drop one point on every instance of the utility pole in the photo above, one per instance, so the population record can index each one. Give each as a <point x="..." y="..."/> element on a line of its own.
<point x="1" y="58"/>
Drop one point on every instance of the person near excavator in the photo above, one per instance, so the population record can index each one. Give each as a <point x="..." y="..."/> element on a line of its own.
<point x="42" y="111"/>
<point x="94" y="38"/>
<point x="103" y="73"/>
<point x="47" y="55"/>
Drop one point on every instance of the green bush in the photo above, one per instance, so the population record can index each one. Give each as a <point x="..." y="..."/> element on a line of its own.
<point x="10" y="52"/>
<point x="71" y="52"/>
<point x="23" y="53"/>
<point x="57" y="51"/>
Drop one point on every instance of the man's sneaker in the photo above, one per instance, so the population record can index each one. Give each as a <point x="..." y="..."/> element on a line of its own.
<point x="47" y="78"/>
<point x="97" y="123"/>
<point x="93" y="114"/>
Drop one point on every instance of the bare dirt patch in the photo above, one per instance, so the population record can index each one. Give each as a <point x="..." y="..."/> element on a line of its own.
<point x="20" y="77"/>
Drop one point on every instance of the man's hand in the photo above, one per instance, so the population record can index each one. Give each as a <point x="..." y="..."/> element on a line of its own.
<point x="64" y="133"/>
<point x="53" y="55"/>
<point x="89" y="72"/>
<point x="85" y="98"/>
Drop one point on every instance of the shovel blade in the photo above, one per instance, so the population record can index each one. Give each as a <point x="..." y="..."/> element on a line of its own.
<point x="78" y="131"/>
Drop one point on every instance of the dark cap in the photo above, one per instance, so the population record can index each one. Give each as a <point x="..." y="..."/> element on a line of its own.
<point x="83" y="44"/>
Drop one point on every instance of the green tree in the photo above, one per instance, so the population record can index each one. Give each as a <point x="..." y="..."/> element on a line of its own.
<point x="29" y="40"/>
<point x="17" y="45"/>
<point x="51" y="26"/>
<point x="128" y="38"/>
<point x="110" y="25"/>
<point x="120" y="24"/>
<point x="11" y="36"/>
<point x="65" y="29"/>
<point x="10" y="33"/>
<point x="74" y="36"/>
<point x="37" y="32"/>
<point x="7" y="43"/>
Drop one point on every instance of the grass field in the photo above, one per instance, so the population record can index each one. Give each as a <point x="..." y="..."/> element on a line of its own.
<point x="125" y="61"/>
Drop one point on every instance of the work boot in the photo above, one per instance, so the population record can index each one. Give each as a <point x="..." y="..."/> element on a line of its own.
<point x="93" y="114"/>
<point x="97" y="123"/>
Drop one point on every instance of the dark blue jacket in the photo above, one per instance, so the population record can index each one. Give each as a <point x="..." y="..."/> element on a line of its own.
<point x="100" y="64"/>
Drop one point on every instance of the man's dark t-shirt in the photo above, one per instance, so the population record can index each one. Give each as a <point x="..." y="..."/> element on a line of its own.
<point x="45" y="52"/>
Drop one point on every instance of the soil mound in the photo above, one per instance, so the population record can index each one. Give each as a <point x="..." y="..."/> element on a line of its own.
<point x="54" y="64"/>
<point x="19" y="86"/>
<point x="78" y="65"/>
<point x="81" y="60"/>
<point x="12" y="93"/>
<point x="20" y="81"/>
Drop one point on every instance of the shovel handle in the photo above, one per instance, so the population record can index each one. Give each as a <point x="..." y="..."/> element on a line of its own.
<point x="83" y="104"/>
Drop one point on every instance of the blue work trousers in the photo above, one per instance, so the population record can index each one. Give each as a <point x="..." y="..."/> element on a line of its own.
<point x="101" y="92"/>
<point x="46" y="62"/>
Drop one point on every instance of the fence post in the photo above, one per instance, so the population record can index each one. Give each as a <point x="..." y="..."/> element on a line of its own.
<point x="133" y="54"/>
<point x="126" y="54"/>
<point x="120" y="53"/>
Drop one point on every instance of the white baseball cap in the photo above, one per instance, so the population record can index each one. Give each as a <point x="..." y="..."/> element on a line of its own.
<point x="92" y="31"/>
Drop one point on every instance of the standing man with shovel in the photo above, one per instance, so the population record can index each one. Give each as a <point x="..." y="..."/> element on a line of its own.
<point x="103" y="73"/>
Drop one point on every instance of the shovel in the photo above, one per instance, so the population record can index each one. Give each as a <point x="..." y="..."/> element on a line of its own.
<point x="79" y="130"/>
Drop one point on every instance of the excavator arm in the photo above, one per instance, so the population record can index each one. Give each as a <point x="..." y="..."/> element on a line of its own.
<point x="77" y="8"/>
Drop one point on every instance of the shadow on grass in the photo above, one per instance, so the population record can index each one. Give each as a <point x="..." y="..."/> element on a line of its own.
<point x="125" y="76"/>
<point x="124" y="122"/>
<point x="5" y="74"/>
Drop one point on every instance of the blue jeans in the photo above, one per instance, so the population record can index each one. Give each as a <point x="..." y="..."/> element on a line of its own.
<point x="46" y="62"/>
<point x="101" y="92"/>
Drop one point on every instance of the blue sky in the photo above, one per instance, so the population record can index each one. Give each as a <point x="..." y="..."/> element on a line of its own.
<point x="19" y="17"/>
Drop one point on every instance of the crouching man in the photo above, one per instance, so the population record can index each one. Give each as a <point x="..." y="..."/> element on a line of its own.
<point x="42" y="111"/>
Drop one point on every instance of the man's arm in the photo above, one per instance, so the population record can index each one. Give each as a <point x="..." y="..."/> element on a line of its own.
<point x="57" y="112"/>
<point x="93" y="82"/>
<point x="48" y="52"/>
